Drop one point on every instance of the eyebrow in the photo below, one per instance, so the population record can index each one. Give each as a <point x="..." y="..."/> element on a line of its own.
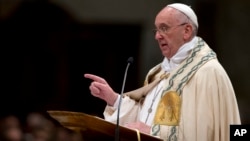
<point x="163" y="25"/>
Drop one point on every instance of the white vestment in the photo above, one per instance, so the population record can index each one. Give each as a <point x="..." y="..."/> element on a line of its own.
<point x="208" y="102"/>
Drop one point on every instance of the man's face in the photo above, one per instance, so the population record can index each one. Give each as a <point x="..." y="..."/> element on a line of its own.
<point x="169" y="31"/>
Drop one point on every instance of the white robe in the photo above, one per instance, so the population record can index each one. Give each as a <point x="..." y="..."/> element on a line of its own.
<point x="208" y="107"/>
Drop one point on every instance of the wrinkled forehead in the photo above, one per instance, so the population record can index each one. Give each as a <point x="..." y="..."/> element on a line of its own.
<point x="169" y="16"/>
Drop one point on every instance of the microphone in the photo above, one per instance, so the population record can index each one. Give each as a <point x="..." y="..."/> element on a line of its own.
<point x="117" y="133"/>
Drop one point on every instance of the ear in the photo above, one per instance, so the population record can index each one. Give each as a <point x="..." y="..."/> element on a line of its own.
<point x="188" y="31"/>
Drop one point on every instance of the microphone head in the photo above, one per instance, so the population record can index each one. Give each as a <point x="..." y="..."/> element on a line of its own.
<point x="130" y="60"/>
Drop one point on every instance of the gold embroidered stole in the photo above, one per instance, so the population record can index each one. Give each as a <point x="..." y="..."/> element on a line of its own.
<point x="169" y="107"/>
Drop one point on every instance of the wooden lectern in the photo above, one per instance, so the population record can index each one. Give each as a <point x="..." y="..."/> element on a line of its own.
<point x="93" y="128"/>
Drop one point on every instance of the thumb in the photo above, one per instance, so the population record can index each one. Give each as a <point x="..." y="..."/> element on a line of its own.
<point x="106" y="93"/>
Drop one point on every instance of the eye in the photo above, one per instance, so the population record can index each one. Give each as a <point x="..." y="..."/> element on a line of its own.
<point x="161" y="29"/>
<point x="164" y="29"/>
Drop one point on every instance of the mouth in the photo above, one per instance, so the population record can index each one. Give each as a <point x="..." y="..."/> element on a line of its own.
<point x="164" y="45"/>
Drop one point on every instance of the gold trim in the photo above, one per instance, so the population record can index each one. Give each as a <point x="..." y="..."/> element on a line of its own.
<point x="138" y="134"/>
<point x="168" y="110"/>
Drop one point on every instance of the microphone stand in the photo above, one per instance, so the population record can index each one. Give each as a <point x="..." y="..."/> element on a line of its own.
<point x="117" y="133"/>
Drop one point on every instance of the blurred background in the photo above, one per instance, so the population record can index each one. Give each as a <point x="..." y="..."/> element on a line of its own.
<point x="47" y="46"/>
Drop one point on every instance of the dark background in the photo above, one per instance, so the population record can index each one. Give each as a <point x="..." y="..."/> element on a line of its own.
<point x="45" y="51"/>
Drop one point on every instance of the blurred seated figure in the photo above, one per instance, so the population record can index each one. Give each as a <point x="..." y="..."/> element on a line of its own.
<point x="39" y="127"/>
<point x="10" y="128"/>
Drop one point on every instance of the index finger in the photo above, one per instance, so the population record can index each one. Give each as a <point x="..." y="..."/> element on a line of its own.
<point x="94" y="78"/>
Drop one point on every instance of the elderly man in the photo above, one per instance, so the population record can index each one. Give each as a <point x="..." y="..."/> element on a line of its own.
<point x="186" y="97"/>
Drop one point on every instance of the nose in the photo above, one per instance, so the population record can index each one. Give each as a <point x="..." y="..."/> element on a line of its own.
<point x="158" y="35"/>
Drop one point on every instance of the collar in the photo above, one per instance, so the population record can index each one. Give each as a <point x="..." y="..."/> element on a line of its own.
<point x="182" y="53"/>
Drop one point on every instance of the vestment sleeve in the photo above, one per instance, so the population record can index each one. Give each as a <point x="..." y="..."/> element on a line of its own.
<point x="128" y="111"/>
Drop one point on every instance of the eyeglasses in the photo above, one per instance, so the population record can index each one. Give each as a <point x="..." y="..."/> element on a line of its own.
<point x="165" y="29"/>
